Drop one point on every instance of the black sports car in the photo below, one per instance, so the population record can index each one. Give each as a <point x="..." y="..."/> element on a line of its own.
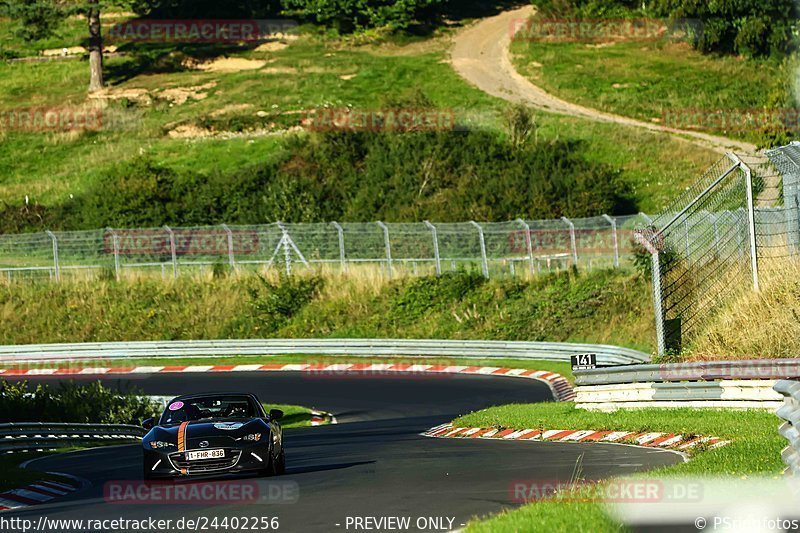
<point x="214" y="434"/>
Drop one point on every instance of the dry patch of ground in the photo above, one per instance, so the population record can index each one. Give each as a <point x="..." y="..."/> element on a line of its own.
<point x="174" y="95"/>
<point x="226" y="64"/>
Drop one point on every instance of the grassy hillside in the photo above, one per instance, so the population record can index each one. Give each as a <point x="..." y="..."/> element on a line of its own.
<point x="225" y="113"/>
<point x="661" y="81"/>
<point x="603" y="307"/>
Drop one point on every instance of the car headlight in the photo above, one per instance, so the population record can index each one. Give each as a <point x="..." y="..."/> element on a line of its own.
<point x="252" y="437"/>
<point x="157" y="444"/>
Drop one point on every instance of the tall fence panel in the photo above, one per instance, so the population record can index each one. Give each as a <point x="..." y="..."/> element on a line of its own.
<point x="719" y="238"/>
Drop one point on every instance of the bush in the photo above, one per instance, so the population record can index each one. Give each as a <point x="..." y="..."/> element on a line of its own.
<point x="350" y="15"/>
<point x="752" y="28"/>
<point x="423" y="294"/>
<point x="70" y="402"/>
<point x="275" y="303"/>
<point x="198" y="9"/>
<point x="442" y="176"/>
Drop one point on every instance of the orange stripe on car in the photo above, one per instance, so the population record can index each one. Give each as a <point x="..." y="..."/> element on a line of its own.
<point x="182" y="437"/>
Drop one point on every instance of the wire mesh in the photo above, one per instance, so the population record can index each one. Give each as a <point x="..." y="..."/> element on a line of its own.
<point x="709" y="250"/>
<point x="500" y="249"/>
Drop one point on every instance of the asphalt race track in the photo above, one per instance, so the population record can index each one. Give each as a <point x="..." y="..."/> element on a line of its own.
<point x="373" y="463"/>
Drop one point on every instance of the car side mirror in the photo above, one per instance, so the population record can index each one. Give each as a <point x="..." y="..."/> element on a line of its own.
<point x="148" y="423"/>
<point x="275" y="414"/>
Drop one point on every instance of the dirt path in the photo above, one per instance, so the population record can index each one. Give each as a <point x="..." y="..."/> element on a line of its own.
<point x="481" y="56"/>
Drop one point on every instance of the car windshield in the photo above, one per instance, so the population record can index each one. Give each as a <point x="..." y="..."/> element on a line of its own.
<point x="209" y="407"/>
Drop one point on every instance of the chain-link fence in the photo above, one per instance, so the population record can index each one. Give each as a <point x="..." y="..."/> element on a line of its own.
<point x="718" y="238"/>
<point x="520" y="247"/>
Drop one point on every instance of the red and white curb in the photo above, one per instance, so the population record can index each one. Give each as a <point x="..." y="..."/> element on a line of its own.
<point x="667" y="441"/>
<point x="34" y="494"/>
<point x="561" y="388"/>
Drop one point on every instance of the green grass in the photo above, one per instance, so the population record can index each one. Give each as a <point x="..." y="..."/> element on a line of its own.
<point x="294" y="416"/>
<point x="50" y="167"/>
<point x="754" y="451"/>
<point x="14" y="477"/>
<point x="607" y="307"/>
<point x="646" y="79"/>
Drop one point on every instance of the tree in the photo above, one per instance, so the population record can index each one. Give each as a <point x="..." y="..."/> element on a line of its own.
<point x="95" y="47"/>
<point x="39" y="19"/>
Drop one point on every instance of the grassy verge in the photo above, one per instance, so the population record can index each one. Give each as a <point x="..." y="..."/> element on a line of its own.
<point x="648" y="79"/>
<point x="754" y="450"/>
<point x="609" y="307"/>
<point x="733" y="331"/>
<point x="294" y="416"/>
<point x="15" y="477"/>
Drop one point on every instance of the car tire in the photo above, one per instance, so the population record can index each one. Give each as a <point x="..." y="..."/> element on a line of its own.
<point x="269" y="470"/>
<point x="280" y="464"/>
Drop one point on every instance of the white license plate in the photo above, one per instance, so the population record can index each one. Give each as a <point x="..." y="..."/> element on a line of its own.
<point x="205" y="454"/>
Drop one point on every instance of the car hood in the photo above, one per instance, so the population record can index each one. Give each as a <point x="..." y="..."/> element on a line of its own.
<point x="215" y="432"/>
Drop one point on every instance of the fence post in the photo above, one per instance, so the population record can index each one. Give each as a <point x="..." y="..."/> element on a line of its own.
<point x="484" y="259"/>
<point x="287" y="257"/>
<point x="613" y="223"/>
<point x="342" y="256"/>
<point x="115" y="241"/>
<point x="659" y="311"/>
<point x="231" y="258"/>
<point x="751" y="218"/>
<point x="751" y="222"/>
<point x="435" y="235"/>
<point x="388" y="246"/>
<point x="55" y="255"/>
<point x="528" y="245"/>
<point x="572" y="241"/>
<point x="173" y="250"/>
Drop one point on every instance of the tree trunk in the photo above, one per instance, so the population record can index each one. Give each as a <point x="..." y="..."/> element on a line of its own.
<point x="95" y="47"/>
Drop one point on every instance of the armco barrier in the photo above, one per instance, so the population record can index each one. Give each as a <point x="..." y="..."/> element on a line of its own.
<point x="771" y="369"/>
<point x="546" y="351"/>
<point x="730" y="384"/>
<point x="16" y="437"/>
<point x="790" y="414"/>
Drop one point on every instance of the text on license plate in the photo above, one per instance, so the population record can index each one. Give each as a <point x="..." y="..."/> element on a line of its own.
<point x="205" y="454"/>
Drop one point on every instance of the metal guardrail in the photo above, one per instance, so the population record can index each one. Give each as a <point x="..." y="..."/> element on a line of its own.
<point x="475" y="349"/>
<point x="698" y="371"/>
<point x="790" y="414"/>
<point x="736" y="394"/>
<point x="15" y="437"/>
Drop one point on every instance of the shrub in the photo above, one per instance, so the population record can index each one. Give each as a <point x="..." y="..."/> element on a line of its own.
<point x="350" y="15"/>
<point x="422" y="294"/>
<point x="442" y="176"/>
<point x="752" y="28"/>
<point x="71" y="402"/>
<point x="275" y="303"/>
